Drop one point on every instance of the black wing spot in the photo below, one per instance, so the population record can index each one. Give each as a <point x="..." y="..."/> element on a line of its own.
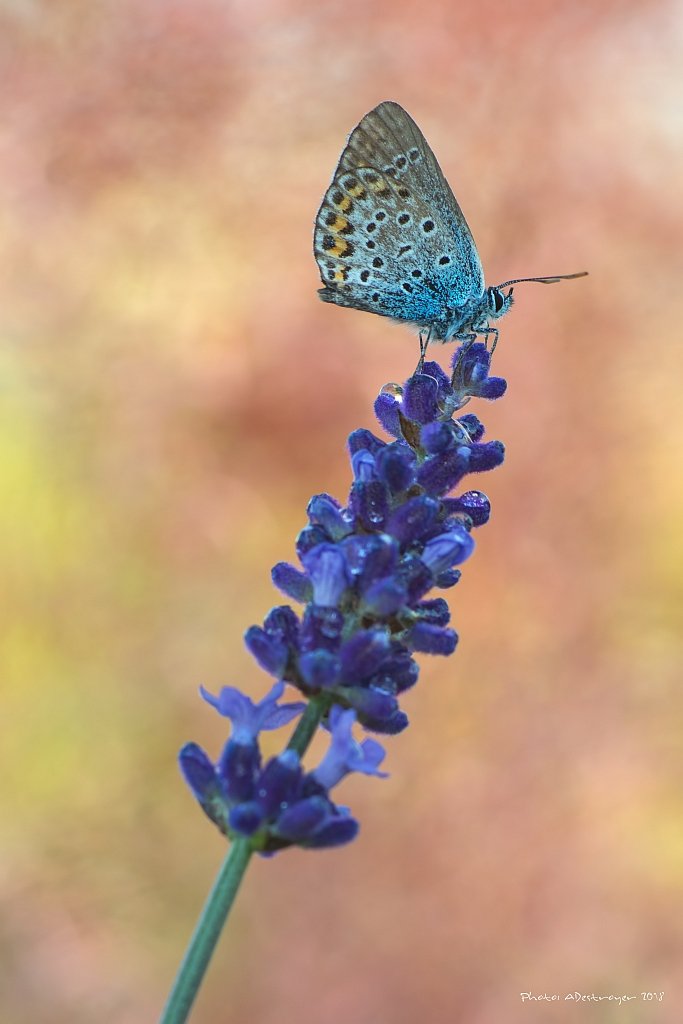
<point x="328" y="242"/>
<point x="407" y="287"/>
<point x="403" y="192"/>
<point x="378" y="262"/>
<point x="444" y="260"/>
<point x="375" y="296"/>
<point x="414" y="155"/>
<point x="391" y="171"/>
<point x="380" y="216"/>
<point x="427" y="226"/>
<point x="403" y="249"/>
<point x="401" y="162"/>
<point x="403" y="218"/>
<point x="364" y="275"/>
<point x="417" y="273"/>
<point x="370" y="245"/>
<point x="371" y="226"/>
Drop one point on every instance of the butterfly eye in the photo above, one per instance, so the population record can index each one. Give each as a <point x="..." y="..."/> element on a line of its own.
<point x="496" y="300"/>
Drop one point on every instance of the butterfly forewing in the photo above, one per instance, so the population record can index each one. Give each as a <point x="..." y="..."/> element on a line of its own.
<point x="390" y="236"/>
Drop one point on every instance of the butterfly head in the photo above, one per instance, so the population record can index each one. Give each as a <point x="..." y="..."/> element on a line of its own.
<point x="497" y="302"/>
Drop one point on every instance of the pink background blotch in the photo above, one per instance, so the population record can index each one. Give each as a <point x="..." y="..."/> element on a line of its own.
<point x="173" y="392"/>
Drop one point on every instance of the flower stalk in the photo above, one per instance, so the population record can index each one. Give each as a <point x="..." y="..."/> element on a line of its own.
<point x="366" y="570"/>
<point x="207" y="933"/>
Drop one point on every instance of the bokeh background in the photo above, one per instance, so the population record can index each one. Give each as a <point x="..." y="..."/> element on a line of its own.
<point x="172" y="392"/>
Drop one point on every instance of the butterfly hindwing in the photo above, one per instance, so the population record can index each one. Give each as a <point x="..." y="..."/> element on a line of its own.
<point x="366" y="257"/>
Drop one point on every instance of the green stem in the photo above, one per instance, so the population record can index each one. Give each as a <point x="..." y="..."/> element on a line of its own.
<point x="222" y="896"/>
<point x="207" y="933"/>
<point x="308" y="723"/>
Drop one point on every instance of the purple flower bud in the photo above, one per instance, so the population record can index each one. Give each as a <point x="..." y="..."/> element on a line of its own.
<point x="470" y="373"/>
<point x="395" y="465"/>
<point x="363" y="465"/>
<point x="413" y="519"/>
<point x="321" y="628"/>
<point x="486" y="456"/>
<point x="238" y="769"/>
<point x="447" y="550"/>
<point x="443" y="381"/>
<point x="473" y="504"/>
<point x="437" y="437"/>
<point x="279" y="783"/>
<point x="492" y="388"/>
<point x="370" y="557"/>
<point x="369" y="503"/>
<point x="400" y="670"/>
<point x="432" y="639"/>
<point x="448" y="578"/>
<point x="471" y="364"/>
<point x="390" y="726"/>
<point x="363" y="438"/>
<point x="472" y="425"/>
<point x="439" y="473"/>
<point x="271" y="654"/>
<point x="199" y="772"/>
<point x="319" y="669"/>
<point x="377" y="708"/>
<point x="326" y="569"/>
<point x="300" y="820"/>
<point x="309" y="538"/>
<point x="435" y="611"/>
<point x="282" y="623"/>
<point x="200" y="775"/>
<point x="363" y="653"/>
<point x="246" y="818"/>
<point x="337" y="831"/>
<point x="415" y="576"/>
<point x="420" y="397"/>
<point x="385" y="597"/>
<point x="387" y="412"/>
<point x="292" y="582"/>
<point x="324" y="511"/>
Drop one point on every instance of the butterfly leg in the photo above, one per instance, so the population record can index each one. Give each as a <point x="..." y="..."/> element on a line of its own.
<point x="486" y="331"/>
<point x="424" y="342"/>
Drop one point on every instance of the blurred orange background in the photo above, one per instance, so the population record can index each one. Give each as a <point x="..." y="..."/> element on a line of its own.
<point x="173" y="393"/>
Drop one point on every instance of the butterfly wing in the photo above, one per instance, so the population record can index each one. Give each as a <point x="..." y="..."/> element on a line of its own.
<point x="390" y="236"/>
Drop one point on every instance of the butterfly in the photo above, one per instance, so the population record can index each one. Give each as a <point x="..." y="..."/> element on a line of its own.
<point x="390" y="237"/>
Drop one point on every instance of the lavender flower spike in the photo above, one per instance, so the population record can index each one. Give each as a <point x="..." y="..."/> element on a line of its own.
<point x="366" y="572"/>
<point x="367" y="567"/>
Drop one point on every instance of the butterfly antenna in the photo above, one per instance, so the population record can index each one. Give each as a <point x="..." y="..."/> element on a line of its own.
<point x="544" y="280"/>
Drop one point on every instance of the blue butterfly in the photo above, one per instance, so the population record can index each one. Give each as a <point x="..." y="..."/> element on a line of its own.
<point x="390" y="237"/>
